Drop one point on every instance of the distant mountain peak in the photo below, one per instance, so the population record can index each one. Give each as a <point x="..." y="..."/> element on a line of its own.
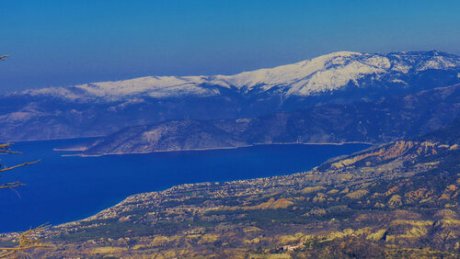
<point x="338" y="54"/>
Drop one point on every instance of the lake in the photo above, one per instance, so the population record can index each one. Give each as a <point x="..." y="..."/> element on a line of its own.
<point x="66" y="188"/>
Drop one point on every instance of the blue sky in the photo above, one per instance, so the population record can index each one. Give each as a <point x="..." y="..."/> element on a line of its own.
<point x="54" y="43"/>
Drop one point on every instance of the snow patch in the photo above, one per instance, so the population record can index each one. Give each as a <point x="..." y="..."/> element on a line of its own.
<point x="437" y="62"/>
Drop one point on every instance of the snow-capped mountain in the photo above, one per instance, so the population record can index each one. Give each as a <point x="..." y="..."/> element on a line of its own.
<point x="338" y="78"/>
<point x="322" y="74"/>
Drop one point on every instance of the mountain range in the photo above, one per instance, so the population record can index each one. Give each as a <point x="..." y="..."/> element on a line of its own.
<point x="324" y="99"/>
<point x="318" y="75"/>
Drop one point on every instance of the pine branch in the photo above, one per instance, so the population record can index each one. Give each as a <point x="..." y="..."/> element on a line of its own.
<point x="11" y="185"/>
<point x="2" y="170"/>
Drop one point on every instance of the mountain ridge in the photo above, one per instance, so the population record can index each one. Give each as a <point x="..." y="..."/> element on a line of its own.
<point x="327" y="72"/>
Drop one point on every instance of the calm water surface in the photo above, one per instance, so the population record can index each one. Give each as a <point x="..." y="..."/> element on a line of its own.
<point x="61" y="189"/>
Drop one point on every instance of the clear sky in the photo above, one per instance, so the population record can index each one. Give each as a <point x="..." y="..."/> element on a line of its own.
<point x="54" y="43"/>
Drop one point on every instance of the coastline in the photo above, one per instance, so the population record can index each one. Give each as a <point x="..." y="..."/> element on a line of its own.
<point x="217" y="148"/>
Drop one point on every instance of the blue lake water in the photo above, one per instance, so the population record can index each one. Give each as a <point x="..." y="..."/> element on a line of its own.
<point x="61" y="189"/>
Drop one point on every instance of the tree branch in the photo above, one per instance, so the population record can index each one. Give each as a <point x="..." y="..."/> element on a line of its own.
<point x="2" y="170"/>
<point x="11" y="185"/>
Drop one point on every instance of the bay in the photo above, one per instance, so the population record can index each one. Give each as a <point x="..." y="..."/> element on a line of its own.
<point x="66" y="188"/>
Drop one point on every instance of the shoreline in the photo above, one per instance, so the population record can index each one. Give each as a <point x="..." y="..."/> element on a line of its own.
<point x="221" y="148"/>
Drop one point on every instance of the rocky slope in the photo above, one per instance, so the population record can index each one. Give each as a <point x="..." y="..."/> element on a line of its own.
<point x="395" y="200"/>
<point x="103" y="108"/>
<point x="169" y="136"/>
<point x="389" y="118"/>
